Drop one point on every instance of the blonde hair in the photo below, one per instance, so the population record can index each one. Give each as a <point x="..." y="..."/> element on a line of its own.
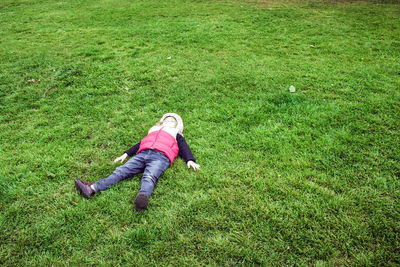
<point x="159" y="123"/>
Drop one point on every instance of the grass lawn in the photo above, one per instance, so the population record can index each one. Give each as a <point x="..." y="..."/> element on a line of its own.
<point x="305" y="178"/>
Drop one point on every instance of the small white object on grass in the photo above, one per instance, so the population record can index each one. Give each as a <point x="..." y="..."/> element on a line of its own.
<point x="169" y="57"/>
<point x="292" y="89"/>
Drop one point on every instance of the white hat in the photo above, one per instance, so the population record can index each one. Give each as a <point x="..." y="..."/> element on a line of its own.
<point x="177" y="118"/>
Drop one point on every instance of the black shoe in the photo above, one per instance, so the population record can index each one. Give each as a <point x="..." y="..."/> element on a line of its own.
<point x="141" y="201"/>
<point x="83" y="188"/>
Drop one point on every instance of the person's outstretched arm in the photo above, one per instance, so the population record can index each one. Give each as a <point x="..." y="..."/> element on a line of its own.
<point x="186" y="153"/>
<point x="130" y="152"/>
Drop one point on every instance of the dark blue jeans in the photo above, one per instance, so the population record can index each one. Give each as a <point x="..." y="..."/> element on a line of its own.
<point x="151" y="162"/>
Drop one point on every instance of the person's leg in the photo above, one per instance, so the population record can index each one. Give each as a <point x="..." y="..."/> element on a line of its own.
<point x="156" y="164"/>
<point x="133" y="166"/>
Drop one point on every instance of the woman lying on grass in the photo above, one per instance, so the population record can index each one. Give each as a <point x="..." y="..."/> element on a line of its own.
<point x="154" y="154"/>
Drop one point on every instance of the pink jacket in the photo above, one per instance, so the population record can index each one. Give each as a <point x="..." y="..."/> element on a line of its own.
<point x="161" y="141"/>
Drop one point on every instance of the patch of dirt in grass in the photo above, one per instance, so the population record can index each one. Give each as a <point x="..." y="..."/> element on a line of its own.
<point x="359" y="1"/>
<point x="274" y="3"/>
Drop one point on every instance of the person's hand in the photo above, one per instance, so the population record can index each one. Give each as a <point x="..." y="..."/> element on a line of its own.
<point x="122" y="158"/>
<point x="193" y="164"/>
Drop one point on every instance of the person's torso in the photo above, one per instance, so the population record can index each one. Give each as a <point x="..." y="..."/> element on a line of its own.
<point x="162" y="141"/>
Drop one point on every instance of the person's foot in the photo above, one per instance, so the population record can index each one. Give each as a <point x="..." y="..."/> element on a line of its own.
<point x="141" y="201"/>
<point x="84" y="188"/>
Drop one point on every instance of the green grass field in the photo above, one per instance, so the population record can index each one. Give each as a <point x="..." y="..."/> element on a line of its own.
<point x="304" y="178"/>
